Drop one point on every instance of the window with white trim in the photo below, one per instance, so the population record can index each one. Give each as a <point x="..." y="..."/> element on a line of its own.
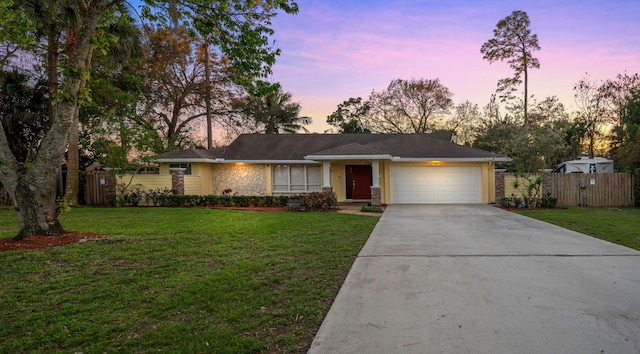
<point x="186" y="166"/>
<point x="297" y="179"/>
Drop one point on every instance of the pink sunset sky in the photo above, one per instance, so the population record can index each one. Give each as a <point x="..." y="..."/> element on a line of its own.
<point x="333" y="50"/>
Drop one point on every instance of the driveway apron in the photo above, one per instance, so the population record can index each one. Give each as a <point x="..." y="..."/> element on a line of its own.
<point x="478" y="279"/>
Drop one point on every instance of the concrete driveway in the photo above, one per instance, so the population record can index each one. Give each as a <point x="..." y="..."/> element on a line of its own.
<point x="477" y="279"/>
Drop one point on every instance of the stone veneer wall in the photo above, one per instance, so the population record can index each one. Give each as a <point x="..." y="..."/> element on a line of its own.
<point x="177" y="181"/>
<point x="376" y="196"/>
<point x="242" y="179"/>
<point x="499" y="185"/>
<point x="546" y="185"/>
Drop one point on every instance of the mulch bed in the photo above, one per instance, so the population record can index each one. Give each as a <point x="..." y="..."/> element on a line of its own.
<point x="40" y="242"/>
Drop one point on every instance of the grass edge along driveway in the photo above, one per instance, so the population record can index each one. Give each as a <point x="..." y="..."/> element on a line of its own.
<point x="617" y="225"/>
<point x="178" y="280"/>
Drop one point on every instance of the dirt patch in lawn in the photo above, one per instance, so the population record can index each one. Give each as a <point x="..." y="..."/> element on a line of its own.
<point x="40" y="242"/>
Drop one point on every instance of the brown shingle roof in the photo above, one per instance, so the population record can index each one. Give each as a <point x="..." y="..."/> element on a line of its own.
<point x="349" y="149"/>
<point x="426" y="146"/>
<point x="192" y="153"/>
<point x="291" y="147"/>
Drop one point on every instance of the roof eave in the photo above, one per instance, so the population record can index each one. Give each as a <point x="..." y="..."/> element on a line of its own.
<point x="452" y="159"/>
<point x="347" y="157"/>
<point x="267" y="161"/>
<point x="191" y="159"/>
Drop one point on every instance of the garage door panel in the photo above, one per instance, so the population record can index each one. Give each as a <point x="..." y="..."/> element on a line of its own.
<point x="436" y="184"/>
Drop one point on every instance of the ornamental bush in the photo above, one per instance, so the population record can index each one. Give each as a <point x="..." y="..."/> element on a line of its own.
<point x="173" y="200"/>
<point x="320" y="201"/>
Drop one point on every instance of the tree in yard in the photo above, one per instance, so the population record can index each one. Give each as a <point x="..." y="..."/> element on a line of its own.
<point x="409" y="106"/>
<point x="22" y="110"/>
<point x="626" y="149"/>
<point x="512" y="41"/>
<point x="349" y="117"/>
<point x="532" y="147"/>
<point x="108" y="120"/>
<point x="496" y="130"/>
<point x="174" y="87"/>
<point x="592" y="114"/>
<point x="269" y="110"/>
<point x="127" y="45"/>
<point x="464" y="121"/>
<point x="241" y="32"/>
<point x="616" y="94"/>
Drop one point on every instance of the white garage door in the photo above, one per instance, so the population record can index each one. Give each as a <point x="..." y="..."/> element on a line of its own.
<point x="436" y="184"/>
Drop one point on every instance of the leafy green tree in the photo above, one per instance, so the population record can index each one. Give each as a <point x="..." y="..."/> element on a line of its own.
<point x="616" y="94"/>
<point x="108" y="119"/>
<point x="127" y="44"/>
<point x="349" y="117"/>
<point x="512" y="41"/>
<point x="626" y="151"/>
<point x="532" y="147"/>
<point x="23" y="107"/>
<point x="14" y="24"/>
<point x="241" y="30"/>
<point x="271" y="111"/>
<point x="575" y="139"/>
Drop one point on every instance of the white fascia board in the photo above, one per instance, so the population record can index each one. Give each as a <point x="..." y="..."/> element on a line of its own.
<point x="452" y="159"/>
<point x="347" y="157"/>
<point x="185" y="160"/>
<point x="286" y="162"/>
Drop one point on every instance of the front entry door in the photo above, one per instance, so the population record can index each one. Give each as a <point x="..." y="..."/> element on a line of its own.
<point x="358" y="181"/>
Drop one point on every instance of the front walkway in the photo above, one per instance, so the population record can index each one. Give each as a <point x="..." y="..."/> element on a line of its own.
<point x="477" y="279"/>
<point x="355" y="208"/>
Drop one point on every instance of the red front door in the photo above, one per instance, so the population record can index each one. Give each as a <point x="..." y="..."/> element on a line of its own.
<point x="358" y="181"/>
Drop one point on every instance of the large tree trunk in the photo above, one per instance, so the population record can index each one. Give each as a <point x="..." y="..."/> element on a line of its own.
<point x="35" y="202"/>
<point x="73" y="162"/>
<point x="526" y="96"/>
<point x="73" y="155"/>
<point x="33" y="186"/>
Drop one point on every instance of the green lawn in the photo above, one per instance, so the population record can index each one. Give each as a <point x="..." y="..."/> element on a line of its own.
<point x="618" y="225"/>
<point x="177" y="280"/>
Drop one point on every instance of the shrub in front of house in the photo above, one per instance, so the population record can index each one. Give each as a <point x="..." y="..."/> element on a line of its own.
<point x="242" y="201"/>
<point x="320" y="201"/>
<point x="548" y="202"/>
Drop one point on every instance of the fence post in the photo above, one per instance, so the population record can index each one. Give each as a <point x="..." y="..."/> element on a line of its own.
<point x="177" y="180"/>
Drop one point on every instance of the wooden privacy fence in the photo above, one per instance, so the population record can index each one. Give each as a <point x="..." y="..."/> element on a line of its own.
<point x="593" y="189"/>
<point x="98" y="188"/>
